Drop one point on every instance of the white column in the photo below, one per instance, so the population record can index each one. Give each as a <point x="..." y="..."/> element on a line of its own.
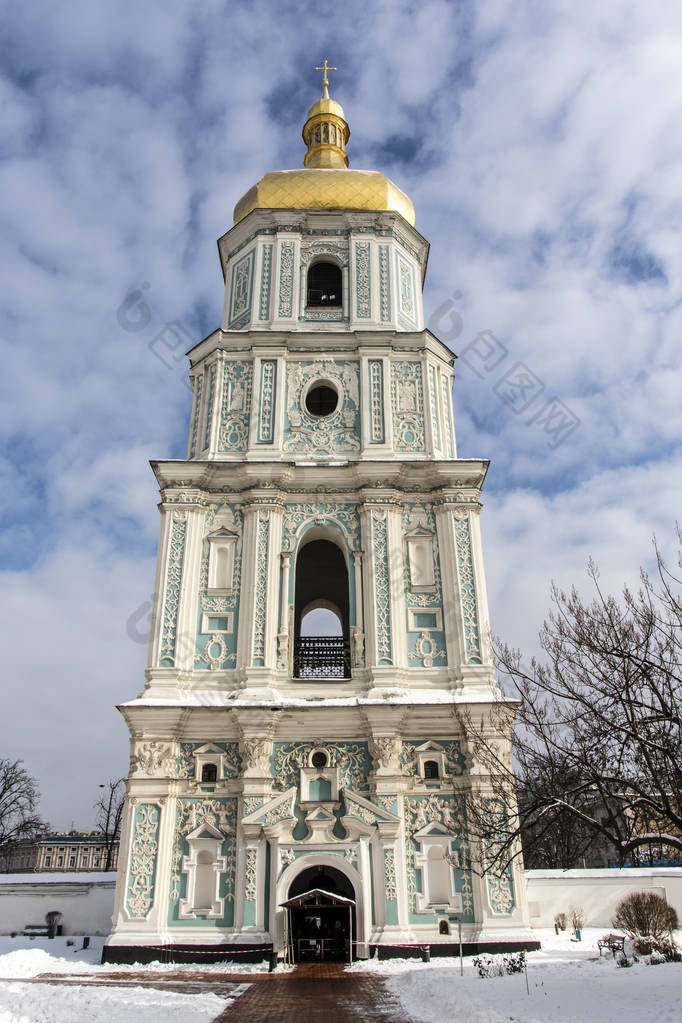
<point x="364" y="926"/>
<point x="283" y="638"/>
<point x="359" y="606"/>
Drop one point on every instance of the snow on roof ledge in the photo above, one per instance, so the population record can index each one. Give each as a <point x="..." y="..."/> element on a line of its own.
<point x="603" y="872"/>
<point x="61" y="877"/>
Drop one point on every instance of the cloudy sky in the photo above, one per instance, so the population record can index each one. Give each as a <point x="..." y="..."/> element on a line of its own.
<point x="540" y="142"/>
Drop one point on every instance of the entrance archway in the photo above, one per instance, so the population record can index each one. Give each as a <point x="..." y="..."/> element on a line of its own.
<point x="320" y="914"/>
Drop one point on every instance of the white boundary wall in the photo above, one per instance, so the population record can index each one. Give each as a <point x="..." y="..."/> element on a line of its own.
<point x="598" y="892"/>
<point x="86" y="901"/>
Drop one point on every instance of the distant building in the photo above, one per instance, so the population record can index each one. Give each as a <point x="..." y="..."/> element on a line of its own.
<point x="79" y="851"/>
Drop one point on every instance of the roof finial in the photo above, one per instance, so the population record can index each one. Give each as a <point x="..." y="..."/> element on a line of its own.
<point x="325" y="82"/>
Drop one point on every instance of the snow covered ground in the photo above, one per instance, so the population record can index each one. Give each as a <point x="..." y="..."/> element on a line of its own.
<point x="22" y="958"/>
<point x="26" y="957"/>
<point x="568" y="983"/>
<point x="50" y="1003"/>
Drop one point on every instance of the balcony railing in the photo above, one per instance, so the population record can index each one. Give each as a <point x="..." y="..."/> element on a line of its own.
<point x="321" y="657"/>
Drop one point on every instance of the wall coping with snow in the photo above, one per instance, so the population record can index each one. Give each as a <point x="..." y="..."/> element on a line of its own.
<point x="596" y="891"/>
<point x="607" y="872"/>
<point x="85" y="900"/>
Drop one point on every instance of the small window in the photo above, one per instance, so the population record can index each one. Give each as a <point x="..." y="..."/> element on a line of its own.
<point x="209" y="773"/>
<point x="324" y="285"/>
<point x="443" y="927"/>
<point x="431" y="769"/>
<point x="319" y="759"/>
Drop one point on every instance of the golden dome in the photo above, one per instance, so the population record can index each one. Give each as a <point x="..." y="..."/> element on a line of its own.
<point x="326" y="105"/>
<point x="325" y="182"/>
<point x="325" y="189"/>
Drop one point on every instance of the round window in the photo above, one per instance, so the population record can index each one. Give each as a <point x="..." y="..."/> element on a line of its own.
<point x="319" y="759"/>
<point x="321" y="400"/>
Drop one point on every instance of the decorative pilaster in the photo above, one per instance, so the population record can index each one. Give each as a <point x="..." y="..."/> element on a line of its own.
<point x="142" y="865"/>
<point x="258" y="613"/>
<point x="172" y="587"/>
<point x="380" y="583"/>
<point x="185" y="644"/>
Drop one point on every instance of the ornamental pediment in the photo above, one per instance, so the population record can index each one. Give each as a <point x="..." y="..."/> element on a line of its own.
<point x="365" y="810"/>
<point x="273" y="811"/>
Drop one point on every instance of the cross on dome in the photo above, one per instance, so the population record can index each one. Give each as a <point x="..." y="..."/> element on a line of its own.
<point x="325" y="82"/>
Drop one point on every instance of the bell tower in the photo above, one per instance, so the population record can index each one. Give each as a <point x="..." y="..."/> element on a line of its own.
<point x="320" y="627"/>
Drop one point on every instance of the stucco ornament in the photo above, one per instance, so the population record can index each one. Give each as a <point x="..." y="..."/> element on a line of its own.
<point x="152" y="758"/>
<point x="385" y="750"/>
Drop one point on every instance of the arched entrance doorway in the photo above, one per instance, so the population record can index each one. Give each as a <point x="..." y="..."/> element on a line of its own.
<point x="320" y="916"/>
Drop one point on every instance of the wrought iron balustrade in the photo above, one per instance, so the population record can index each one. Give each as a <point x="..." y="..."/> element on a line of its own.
<point x="321" y="657"/>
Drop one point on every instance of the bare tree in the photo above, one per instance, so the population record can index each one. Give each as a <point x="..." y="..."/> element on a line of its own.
<point x="19" y="817"/>
<point x="597" y="741"/>
<point x="109" y="808"/>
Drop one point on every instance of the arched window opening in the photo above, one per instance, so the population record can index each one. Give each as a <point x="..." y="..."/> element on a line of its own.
<point x="431" y="769"/>
<point x="209" y="773"/>
<point x="321" y="621"/>
<point x="321" y="615"/>
<point x="324" y="285"/>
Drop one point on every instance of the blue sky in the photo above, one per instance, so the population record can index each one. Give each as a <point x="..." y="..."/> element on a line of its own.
<point x="540" y="143"/>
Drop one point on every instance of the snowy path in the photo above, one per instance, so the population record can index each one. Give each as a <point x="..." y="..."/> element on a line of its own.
<point x="567" y="981"/>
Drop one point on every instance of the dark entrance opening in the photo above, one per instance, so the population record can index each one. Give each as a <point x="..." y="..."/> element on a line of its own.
<point x="320" y="914"/>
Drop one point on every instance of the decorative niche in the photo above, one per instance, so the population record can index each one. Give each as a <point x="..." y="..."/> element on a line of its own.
<point x="438" y="883"/>
<point x="203" y="868"/>
<point x="222" y="546"/>
<point x="420" y="560"/>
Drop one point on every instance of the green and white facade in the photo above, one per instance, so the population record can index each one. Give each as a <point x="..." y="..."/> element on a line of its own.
<point x="208" y="856"/>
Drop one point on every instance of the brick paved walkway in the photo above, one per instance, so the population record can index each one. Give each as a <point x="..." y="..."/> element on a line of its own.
<point x="315" y="993"/>
<point x="312" y="993"/>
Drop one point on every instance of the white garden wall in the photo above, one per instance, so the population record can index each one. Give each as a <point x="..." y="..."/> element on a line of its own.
<point x="598" y="892"/>
<point x="86" y="901"/>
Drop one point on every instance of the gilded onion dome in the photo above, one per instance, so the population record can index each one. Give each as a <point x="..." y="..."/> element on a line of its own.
<point x="325" y="182"/>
